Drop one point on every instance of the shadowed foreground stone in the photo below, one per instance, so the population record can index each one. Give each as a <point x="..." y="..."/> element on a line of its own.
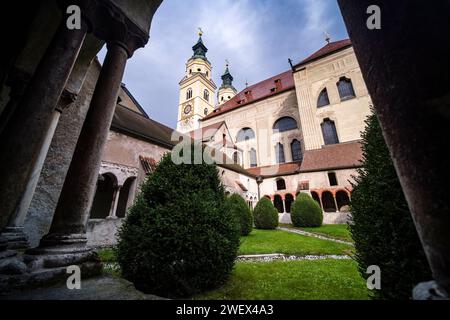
<point x="99" y="288"/>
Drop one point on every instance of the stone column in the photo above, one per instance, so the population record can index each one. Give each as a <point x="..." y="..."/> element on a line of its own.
<point x="72" y="212"/>
<point x="320" y="200"/>
<point x="406" y="67"/>
<point x="24" y="134"/>
<point x="335" y="202"/>
<point x="115" y="202"/>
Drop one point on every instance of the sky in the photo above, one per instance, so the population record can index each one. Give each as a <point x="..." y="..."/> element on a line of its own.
<point x="256" y="36"/>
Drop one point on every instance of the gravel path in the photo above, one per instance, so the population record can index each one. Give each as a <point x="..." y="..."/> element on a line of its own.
<point x="285" y="257"/>
<point x="315" y="235"/>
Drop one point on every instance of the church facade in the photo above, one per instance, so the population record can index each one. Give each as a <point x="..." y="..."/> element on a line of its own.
<point x="298" y="131"/>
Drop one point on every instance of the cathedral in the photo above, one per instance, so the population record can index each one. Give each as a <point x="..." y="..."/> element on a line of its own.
<point x="298" y="131"/>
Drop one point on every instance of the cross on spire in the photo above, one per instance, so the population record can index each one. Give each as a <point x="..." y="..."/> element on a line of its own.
<point x="327" y="37"/>
<point x="200" y="32"/>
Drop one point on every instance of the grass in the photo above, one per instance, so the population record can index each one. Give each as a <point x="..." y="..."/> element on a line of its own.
<point x="109" y="260"/>
<point x="336" y="231"/>
<point x="293" y="280"/>
<point x="278" y="241"/>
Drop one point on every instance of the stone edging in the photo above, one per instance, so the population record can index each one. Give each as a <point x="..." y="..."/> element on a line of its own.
<point x="315" y="235"/>
<point x="286" y="257"/>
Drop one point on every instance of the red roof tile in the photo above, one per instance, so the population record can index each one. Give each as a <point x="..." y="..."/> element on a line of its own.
<point x="261" y="90"/>
<point x="276" y="170"/>
<point x="326" y="50"/>
<point x="336" y="156"/>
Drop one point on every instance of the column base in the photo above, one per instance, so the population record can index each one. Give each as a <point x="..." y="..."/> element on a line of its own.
<point x="15" y="238"/>
<point x="429" y="291"/>
<point x="47" y="264"/>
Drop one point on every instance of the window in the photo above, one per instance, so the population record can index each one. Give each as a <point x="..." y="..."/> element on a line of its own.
<point x="224" y="140"/>
<point x="345" y="88"/>
<point x="332" y="179"/>
<point x="207" y="73"/>
<point x="245" y="134"/>
<point x="281" y="184"/>
<point x="296" y="149"/>
<point x="190" y="71"/>
<point x="323" y="100"/>
<point x="221" y="99"/>
<point x="279" y="153"/>
<point x="284" y="124"/>
<point x="329" y="132"/>
<point x="188" y="94"/>
<point x="199" y="70"/>
<point x="205" y="111"/>
<point x="206" y="95"/>
<point x="253" y="162"/>
<point x="236" y="158"/>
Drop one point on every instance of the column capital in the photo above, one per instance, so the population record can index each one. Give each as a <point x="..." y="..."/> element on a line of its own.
<point x="111" y="24"/>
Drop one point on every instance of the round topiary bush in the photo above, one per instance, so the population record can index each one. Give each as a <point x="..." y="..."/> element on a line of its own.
<point x="239" y="208"/>
<point x="306" y="212"/>
<point x="178" y="239"/>
<point x="265" y="215"/>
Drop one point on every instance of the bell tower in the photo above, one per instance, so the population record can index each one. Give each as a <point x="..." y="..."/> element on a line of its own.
<point x="196" y="89"/>
<point x="226" y="90"/>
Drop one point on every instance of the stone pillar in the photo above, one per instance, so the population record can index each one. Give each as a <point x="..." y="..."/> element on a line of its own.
<point x="24" y="134"/>
<point x="115" y="202"/>
<point x="406" y="67"/>
<point x="335" y="202"/>
<point x="320" y="200"/>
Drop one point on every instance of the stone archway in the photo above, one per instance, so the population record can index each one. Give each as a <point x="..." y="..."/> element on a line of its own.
<point x="288" y="200"/>
<point x="342" y="200"/>
<point x="124" y="196"/>
<point x="104" y="194"/>
<point x="316" y="197"/>
<point x="278" y="203"/>
<point x="328" y="202"/>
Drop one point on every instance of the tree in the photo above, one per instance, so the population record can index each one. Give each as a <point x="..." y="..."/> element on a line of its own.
<point x="178" y="238"/>
<point x="265" y="215"/>
<point x="239" y="208"/>
<point x="306" y="212"/>
<point x="382" y="227"/>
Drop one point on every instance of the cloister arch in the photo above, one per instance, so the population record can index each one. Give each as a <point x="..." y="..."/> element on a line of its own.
<point x="316" y="197"/>
<point x="328" y="202"/>
<point x="278" y="203"/>
<point x="103" y="199"/>
<point x="342" y="199"/>
<point x="288" y="200"/>
<point x="124" y="197"/>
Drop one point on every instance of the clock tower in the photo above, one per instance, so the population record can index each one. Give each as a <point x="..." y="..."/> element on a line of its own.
<point x="196" y="89"/>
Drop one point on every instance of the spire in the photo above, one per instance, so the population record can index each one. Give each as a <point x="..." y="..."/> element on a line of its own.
<point x="227" y="78"/>
<point x="199" y="48"/>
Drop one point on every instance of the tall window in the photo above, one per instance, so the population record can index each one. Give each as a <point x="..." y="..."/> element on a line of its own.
<point x="329" y="132"/>
<point x="188" y="94"/>
<point x="205" y="111"/>
<point x="345" y="88"/>
<point x="206" y="95"/>
<point x="332" y="179"/>
<point x="253" y="162"/>
<point x="281" y="184"/>
<point x="245" y="134"/>
<point x="279" y="152"/>
<point x="284" y="124"/>
<point x="323" y="100"/>
<point x="296" y="149"/>
<point x="236" y="158"/>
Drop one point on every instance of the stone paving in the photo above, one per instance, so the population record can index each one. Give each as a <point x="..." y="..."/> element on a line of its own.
<point x="315" y="235"/>
<point x="286" y="257"/>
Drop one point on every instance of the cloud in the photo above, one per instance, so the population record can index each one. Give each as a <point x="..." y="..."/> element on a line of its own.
<point x="256" y="36"/>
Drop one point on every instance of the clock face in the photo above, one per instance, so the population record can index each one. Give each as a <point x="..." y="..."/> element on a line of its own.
<point x="187" y="109"/>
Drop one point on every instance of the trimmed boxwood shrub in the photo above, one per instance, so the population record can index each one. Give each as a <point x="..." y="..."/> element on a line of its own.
<point x="178" y="239"/>
<point x="382" y="227"/>
<point x="306" y="212"/>
<point x="265" y="215"/>
<point x="239" y="208"/>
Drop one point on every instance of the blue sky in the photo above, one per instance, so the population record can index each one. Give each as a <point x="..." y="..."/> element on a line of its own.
<point x="256" y="36"/>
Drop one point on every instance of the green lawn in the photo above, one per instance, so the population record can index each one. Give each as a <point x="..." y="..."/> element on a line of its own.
<point x="293" y="280"/>
<point x="278" y="241"/>
<point x="336" y="231"/>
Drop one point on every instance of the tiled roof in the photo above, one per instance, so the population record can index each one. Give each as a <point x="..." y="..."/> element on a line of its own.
<point x="276" y="170"/>
<point x="206" y="132"/>
<point x="133" y="123"/>
<point x="336" y="156"/>
<point x="262" y="90"/>
<point x="326" y="50"/>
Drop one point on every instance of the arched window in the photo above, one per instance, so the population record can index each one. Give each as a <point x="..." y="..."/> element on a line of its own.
<point x="296" y="149"/>
<point x="288" y="200"/>
<point x="245" y="134"/>
<point x="205" y="111"/>
<point x="236" y="158"/>
<point x="281" y="184"/>
<point x="188" y="94"/>
<point x="345" y="88"/>
<point x="253" y="162"/>
<point x="329" y="132"/>
<point x="323" y="99"/>
<point x="284" y="124"/>
<point x="278" y="203"/>
<point x="206" y="95"/>
<point x="279" y="153"/>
